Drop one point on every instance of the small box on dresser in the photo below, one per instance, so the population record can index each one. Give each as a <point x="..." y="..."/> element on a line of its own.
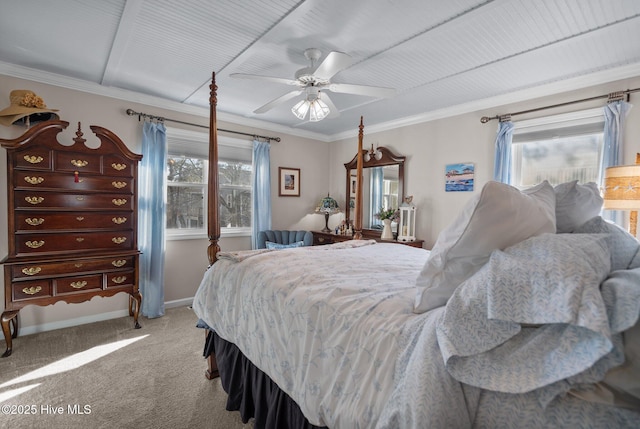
<point x="72" y="218"/>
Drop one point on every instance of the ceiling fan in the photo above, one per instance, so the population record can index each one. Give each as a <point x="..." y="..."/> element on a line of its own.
<point x="314" y="82"/>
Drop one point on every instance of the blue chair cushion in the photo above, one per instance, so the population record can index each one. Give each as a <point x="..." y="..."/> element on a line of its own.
<point x="278" y="246"/>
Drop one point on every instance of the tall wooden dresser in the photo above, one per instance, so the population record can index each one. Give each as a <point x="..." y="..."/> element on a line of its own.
<point x="72" y="221"/>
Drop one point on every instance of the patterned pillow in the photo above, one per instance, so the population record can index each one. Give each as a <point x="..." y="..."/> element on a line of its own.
<point x="622" y="245"/>
<point x="575" y="204"/>
<point x="499" y="217"/>
<point x="278" y="246"/>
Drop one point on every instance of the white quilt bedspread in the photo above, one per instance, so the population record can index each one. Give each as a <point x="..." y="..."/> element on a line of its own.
<point x="331" y="345"/>
<point x="349" y="350"/>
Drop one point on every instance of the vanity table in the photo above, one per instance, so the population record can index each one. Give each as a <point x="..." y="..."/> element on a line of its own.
<point x="321" y="238"/>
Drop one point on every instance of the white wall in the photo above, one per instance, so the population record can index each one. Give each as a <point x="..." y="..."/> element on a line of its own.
<point x="185" y="260"/>
<point x="431" y="145"/>
<point x="428" y="147"/>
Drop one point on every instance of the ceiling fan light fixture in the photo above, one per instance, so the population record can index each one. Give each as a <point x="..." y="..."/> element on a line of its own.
<point x="300" y="109"/>
<point x="318" y="110"/>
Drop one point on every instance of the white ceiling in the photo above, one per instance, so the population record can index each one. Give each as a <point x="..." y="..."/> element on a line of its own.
<point x="441" y="56"/>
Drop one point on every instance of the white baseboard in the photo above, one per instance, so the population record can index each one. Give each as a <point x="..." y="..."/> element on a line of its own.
<point x="44" y="327"/>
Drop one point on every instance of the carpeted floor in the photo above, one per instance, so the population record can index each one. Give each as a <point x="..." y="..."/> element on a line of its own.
<point x="109" y="375"/>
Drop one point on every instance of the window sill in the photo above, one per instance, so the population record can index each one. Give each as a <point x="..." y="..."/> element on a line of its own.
<point x="202" y="235"/>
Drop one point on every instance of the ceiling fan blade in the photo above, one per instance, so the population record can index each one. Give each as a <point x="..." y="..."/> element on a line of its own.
<point x="333" y="63"/>
<point x="333" y="110"/>
<point x="372" y="91"/>
<point x="273" y="103"/>
<point x="264" y="78"/>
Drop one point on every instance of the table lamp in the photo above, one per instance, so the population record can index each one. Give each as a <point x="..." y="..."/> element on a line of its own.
<point x="327" y="206"/>
<point x="622" y="191"/>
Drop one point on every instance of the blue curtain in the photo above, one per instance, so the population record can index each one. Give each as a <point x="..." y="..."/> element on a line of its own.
<point x="502" y="163"/>
<point x="377" y="188"/>
<point x="261" y="195"/>
<point x="614" y="117"/>
<point x="615" y="114"/>
<point x="152" y="218"/>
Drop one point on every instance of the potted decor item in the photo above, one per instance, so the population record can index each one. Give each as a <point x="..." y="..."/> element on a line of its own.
<point x="387" y="216"/>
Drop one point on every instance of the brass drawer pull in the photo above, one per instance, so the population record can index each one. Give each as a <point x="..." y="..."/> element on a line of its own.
<point x="119" y="167"/>
<point x="34" y="221"/>
<point x="34" y="200"/>
<point x="31" y="271"/>
<point x="119" y="240"/>
<point x="119" y="201"/>
<point x="78" y="265"/>
<point x="79" y="239"/>
<point x="32" y="290"/>
<point x="80" y="198"/>
<point x="119" y="279"/>
<point x="119" y="220"/>
<point x="34" y="180"/>
<point x="78" y="285"/>
<point x="35" y="244"/>
<point x="79" y="218"/>
<point x="119" y="185"/>
<point x="33" y="159"/>
<point x="119" y="263"/>
<point x="79" y="163"/>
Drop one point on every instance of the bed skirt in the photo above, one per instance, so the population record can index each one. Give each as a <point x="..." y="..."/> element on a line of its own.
<point x="251" y="392"/>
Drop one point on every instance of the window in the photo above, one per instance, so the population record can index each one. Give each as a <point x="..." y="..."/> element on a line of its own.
<point x="186" y="193"/>
<point x="559" y="149"/>
<point x="187" y="170"/>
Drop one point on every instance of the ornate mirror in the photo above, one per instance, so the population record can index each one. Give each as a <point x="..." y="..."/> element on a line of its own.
<point x="382" y="187"/>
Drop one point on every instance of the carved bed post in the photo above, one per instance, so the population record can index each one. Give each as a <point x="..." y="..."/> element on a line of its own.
<point x="213" y="226"/>
<point x="358" y="220"/>
<point x="213" y="222"/>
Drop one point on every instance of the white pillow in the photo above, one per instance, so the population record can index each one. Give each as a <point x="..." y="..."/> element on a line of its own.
<point x="576" y="204"/>
<point x="499" y="217"/>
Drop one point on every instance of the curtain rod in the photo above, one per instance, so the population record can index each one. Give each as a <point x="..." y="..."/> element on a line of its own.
<point x="132" y="112"/>
<point x="614" y="96"/>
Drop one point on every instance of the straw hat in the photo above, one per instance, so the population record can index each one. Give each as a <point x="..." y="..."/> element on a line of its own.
<point x="26" y="103"/>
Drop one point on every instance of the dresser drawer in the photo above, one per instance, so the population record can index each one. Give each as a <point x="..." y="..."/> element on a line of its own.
<point x="48" y="269"/>
<point x="120" y="279"/>
<point x="67" y="182"/>
<point x="80" y="162"/>
<point x="34" y="158"/>
<point x="49" y="221"/>
<point x="65" y="285"/>
<point x="73" y="242"/>
<point x="72" y="201"/>
<point x="31" y="290"/>
<point x="118" y="166"/>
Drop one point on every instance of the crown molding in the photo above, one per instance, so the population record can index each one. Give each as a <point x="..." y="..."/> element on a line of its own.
<point x="54" y="79"/>
<point x="553" y="88"/>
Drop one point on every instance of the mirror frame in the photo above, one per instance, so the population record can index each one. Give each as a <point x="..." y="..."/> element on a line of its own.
<point x="388" y="158"/>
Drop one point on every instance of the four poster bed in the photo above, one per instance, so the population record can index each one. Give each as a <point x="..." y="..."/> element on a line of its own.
<point x="542" y="302"/>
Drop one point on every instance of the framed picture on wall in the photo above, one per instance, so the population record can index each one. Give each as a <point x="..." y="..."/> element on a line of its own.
<point x="289" y="182"/>
<point x="459" y="177"/>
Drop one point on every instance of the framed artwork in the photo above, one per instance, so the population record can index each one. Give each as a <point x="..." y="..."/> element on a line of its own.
<point x="289" y="182"/>
<point x="459" y="177"/>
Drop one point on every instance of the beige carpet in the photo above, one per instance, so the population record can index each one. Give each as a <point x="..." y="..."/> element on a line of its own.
<point x="75" y="378"/>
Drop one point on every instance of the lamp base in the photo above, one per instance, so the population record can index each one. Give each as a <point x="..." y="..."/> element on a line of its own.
<point x="326" y="223"/>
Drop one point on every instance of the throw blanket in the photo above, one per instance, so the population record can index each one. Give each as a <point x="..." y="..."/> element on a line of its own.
<point x="535" y="315"/>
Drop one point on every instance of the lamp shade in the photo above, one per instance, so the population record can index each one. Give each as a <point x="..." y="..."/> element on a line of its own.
<point x="328" y="205"/>
<point x="621" y="190"/>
